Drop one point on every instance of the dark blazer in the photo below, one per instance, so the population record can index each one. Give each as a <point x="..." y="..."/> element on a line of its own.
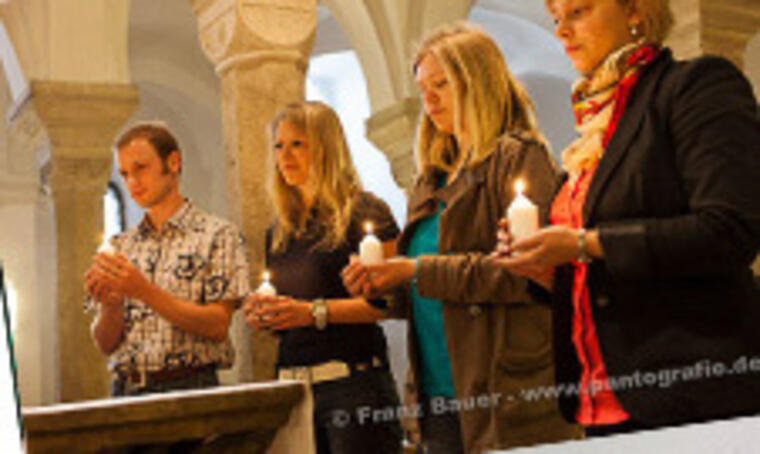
<point x="676" y="199"/>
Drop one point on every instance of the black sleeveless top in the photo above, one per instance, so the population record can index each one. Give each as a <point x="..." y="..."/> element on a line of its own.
<point x="304" y="272"/>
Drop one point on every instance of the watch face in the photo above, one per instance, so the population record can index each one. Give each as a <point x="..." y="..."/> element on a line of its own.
<point x="319" y="311"/>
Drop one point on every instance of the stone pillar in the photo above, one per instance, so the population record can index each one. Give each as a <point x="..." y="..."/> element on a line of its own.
<point x="727" y="27"/>
<point x="393" y="130"/>
<point x="716" y="27"/>
<point x="685" y="38"/>
<point x="81" y="120"/>
<point x="261" y="51"/>
<point x="25" y="248"/>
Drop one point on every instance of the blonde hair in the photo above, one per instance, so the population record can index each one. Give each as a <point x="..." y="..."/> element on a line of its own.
<point x="488" y="100"/>
<point x="656" y="18"/>
<point x="331" y="175"/>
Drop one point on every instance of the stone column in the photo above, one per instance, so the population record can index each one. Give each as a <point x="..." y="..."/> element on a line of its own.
<point x="716" y="27"/>
<point x="393" y="130"/>
<point x="81" y="120"/>
<point x="25" y="248"/>
<point x="261" y="51"/>
<point x="685" y="38"/>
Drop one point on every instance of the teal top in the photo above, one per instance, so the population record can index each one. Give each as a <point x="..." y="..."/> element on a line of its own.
<point x="435" y="365"/>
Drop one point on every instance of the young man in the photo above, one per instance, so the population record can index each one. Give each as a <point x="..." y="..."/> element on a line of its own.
<point x="165" y="297"/>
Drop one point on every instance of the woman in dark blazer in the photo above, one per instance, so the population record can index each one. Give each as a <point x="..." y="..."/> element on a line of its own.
<point x="653" y="231"/>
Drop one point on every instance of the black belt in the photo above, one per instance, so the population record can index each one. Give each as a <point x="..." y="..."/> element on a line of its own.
<point x="165" y="375"/>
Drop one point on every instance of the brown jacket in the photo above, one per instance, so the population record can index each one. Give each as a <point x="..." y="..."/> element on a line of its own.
<point x="499" y="338"/>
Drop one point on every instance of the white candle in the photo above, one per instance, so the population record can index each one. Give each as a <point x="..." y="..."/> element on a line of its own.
<point x="106" y="247"/>
<point x="266" y="288"/>
<point x="522" y="214"/>
<point x="370" y="249"/>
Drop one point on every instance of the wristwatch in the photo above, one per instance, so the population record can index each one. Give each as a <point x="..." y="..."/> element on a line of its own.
<point x="319" y="312"/>
<point x="583" y="255"/>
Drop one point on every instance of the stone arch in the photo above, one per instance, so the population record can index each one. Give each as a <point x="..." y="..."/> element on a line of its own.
<point x="524" y="32"/>
<point x="179" y="86"/>
<point x="383" y="35"/>
<point x="355" y="21"/>
<point x="14" y="74"/>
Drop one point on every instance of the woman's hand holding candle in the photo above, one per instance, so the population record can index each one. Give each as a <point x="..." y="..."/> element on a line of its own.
<point x="522" y="214"/>
<point x="254" y="303"/>
<point x="266" y="288"/>
<point x="356" y="278"/>
<point x="537" y="255"/>
<point x="276" y="313"/>
<point x="542" y="275"/>
<point x="373" y="281"/>
<point x="370" y="249"/>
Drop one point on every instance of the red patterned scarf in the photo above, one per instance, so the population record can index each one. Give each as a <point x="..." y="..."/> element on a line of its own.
<point x="599" y="101"/>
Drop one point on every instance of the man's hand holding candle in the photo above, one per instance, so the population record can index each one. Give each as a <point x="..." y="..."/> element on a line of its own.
<point x="117" y="273"/>
<point x="95" y="284"/>
<point x="96" y="287"/>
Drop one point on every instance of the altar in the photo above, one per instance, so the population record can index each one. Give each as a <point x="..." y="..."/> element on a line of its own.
<point x="272" y="418"/>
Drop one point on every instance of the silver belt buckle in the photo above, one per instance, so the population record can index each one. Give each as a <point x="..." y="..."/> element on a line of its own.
<point x="296" y="373"/>
<point x="303" y="373"/>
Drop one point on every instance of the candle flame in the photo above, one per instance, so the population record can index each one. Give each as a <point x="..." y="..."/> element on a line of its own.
<point x="369" y="228"/>
<point x="265" y="276"/>
<point x="519" y="186"/>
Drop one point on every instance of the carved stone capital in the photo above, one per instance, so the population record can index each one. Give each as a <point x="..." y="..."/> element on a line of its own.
<point x="717" y="27"/>
<point x="393" y="130"/>
<point x="83" y="176"/>
<point x="81" y="121"/>
<point x="82" y="118"/>
<point x="28" y="146"/>
<point x="239" y="31"/>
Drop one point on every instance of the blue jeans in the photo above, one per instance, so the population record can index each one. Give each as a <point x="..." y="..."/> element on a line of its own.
<point x="357" y="414"/>
<point x="441" y="432"/>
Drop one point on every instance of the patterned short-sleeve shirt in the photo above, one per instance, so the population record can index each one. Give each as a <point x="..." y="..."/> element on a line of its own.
<point x="195" y="257"/>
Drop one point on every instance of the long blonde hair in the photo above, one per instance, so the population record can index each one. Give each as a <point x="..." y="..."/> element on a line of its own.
<point x="331" y="175"/>
<point x="488" y="100"/>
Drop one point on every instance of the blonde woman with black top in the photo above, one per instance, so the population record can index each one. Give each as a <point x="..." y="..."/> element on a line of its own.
<point x="333" y="337"/>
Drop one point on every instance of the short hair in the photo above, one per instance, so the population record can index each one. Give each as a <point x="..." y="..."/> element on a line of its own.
<point x="656" y="18"/>
<point x="157" y="134"/>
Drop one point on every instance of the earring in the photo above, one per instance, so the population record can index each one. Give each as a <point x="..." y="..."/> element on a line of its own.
<point x="634" y="30"/>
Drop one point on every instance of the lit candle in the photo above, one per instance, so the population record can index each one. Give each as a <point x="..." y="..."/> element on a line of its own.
<point x="522" y="214"/>
<point x="266" y="288"/>
<point x="370" y="249"/>
<point x="106" y="247"/>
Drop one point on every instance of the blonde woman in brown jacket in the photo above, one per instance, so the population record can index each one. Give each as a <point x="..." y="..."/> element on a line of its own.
<point x="480" y="346"/>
